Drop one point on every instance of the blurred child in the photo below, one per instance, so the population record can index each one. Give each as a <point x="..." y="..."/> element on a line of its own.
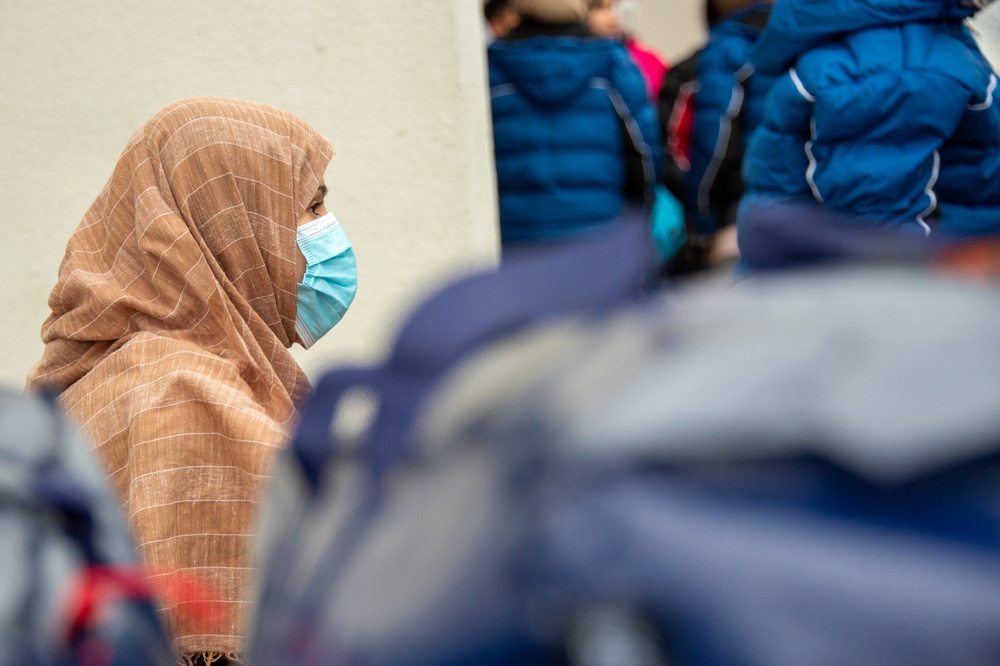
<point x="711" y="103"/>
<point x="501" y="18"/>
<point x="883" y="110"/>
<point x="575" y="137"/>
<point x="619" y="19"/>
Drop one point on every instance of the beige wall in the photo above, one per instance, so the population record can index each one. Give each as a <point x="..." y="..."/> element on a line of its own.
<point x="397" y="87"/>
<point x="673" y="27"/>
<point x="986" y="26"/>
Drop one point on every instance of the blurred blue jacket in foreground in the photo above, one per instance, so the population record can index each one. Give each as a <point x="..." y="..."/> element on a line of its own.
<point x="801" y="468"/>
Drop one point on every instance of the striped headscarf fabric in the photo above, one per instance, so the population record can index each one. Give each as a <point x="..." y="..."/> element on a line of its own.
<point x="169" y="332"/>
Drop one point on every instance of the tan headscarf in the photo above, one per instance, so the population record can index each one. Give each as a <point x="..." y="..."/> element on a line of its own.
<point x="171" y="318"/>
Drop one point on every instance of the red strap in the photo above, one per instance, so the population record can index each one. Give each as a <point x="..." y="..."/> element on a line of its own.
<point x="97" y="586"/>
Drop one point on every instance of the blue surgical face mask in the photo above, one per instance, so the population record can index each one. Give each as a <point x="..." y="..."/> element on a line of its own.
<point x="330" y="281"/>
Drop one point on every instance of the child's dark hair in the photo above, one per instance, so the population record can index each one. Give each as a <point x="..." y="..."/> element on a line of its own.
<point x="711" y="12"/>
<point x="717" y="10"/>
<point x="492" y="8"/>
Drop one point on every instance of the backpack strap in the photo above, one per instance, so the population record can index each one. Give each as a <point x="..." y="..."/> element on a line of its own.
<point x="313" y="445"/>
<point x="586" y="276"/>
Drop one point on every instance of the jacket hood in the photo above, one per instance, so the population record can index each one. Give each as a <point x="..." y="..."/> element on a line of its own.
<point x="796" y="26"/>
<point x="550" y="71"/>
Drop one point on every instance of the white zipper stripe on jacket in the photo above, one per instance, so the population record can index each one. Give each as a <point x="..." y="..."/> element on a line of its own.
<point x="799" y="85"/>
<point x="988" y="102"/>
<point x="503" y="89"/>
<point x="632" y="127"/>
<point x="811" y="169"/>
<point x="929" y="191"/>
<point x="722" y="140"/>
<point x="808" y="147"/>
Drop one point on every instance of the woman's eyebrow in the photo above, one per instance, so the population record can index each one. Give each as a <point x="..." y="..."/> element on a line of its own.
<point x="323" y="189"/>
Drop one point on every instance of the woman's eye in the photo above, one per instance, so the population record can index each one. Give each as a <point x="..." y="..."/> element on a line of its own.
<point x="313" y="208"/>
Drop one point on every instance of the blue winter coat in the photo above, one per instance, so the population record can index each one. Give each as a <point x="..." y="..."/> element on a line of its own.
<point x="728" y="107"/>
<point x="563" y="109"/>
<point x="884" y="109"/>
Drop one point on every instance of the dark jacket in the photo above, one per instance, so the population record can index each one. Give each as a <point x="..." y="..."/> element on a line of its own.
<point x="727" y="106"/>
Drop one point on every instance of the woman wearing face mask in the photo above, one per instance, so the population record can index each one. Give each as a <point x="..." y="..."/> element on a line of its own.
<point x="207" y="254"/>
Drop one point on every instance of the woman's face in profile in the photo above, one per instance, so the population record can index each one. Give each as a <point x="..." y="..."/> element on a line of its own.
<point x="315" y="209"/>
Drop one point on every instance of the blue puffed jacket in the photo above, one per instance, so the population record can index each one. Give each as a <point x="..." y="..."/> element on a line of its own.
<point x="885" y="110"/>
<point x="728" y="104"/>
<point x="566" y="112"/>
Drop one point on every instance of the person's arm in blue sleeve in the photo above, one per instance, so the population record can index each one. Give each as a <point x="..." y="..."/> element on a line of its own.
<point x="639" y="115"/>
<point x="717" y="101"/>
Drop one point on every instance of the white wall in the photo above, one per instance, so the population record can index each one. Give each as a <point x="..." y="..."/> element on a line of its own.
<point x="673" y="27"/>
<point x="986" y="26"/>
<point x="397" y="87"/>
